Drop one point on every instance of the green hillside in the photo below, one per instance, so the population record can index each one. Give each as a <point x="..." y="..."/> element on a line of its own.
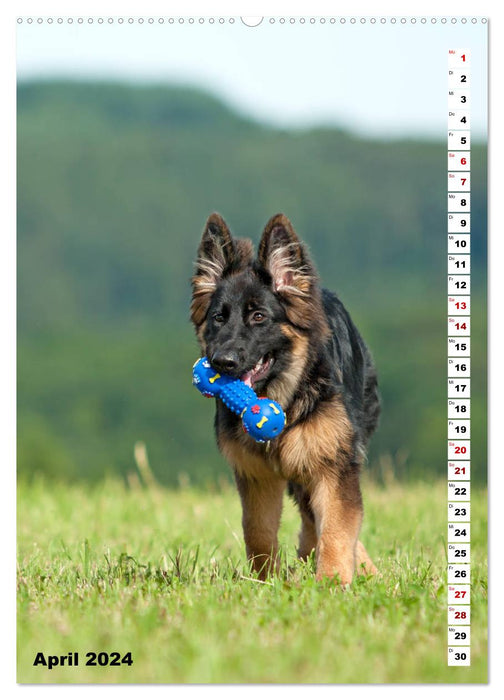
<point x="114" y="185"/>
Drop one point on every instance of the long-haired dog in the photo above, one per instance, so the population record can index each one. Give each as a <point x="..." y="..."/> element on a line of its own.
<point x="266" y="320"/>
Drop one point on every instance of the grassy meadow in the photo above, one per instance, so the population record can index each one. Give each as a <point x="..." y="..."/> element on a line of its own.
<point x="162" y="574"/>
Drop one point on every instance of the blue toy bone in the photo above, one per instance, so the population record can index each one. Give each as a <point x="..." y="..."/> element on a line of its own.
<point x="263" y="419"/>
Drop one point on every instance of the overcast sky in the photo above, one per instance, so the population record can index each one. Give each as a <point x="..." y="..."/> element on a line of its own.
<point x="377" y="79"/>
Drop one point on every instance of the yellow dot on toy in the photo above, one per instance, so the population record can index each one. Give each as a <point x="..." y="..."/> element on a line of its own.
<point x="214" y="379"/>
<point x="275" y="409"/>
<point x="262" y="422"/>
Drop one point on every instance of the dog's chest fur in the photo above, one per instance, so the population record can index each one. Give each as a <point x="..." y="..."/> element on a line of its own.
<point x="305" y="449"/>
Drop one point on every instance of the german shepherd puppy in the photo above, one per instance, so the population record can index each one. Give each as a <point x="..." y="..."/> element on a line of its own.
<point x="267" y="321"/>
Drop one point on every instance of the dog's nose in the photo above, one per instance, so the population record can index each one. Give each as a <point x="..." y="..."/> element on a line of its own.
<point x="225" y="362"/>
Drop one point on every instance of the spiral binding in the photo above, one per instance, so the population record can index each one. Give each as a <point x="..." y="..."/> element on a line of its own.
<point x="127" y="21"/>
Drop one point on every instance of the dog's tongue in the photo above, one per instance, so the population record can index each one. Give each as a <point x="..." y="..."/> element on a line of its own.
<point x="249" y="376"/>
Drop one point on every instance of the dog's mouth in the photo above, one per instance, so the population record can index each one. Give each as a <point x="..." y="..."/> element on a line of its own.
<point x="260" y="371"/>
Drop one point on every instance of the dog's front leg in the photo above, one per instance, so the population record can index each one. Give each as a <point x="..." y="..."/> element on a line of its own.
<point x="262" y="508"/>
<point x="337" y="505"/>
<point x="364" y="562"/>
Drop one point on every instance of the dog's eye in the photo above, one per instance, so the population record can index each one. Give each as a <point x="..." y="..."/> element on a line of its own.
<point x="218" y="318"/>
<point x="257" y="316"/>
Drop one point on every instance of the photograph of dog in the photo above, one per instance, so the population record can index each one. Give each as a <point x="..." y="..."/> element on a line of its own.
<point x="267" y="321"/>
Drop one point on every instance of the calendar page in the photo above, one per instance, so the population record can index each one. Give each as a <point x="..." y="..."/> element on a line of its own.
<point x="301" y="203"/>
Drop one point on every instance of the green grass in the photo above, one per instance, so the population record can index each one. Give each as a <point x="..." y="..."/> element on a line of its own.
<point x="162" y="574"/>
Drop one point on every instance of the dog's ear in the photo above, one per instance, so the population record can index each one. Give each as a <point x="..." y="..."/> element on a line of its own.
<point x="285" y="257"/>
<point x="219" y="254"/>
<point x="293" y="274"/>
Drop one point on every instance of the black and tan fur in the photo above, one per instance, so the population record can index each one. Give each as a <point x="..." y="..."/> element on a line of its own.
<point x="272" y="306"/>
